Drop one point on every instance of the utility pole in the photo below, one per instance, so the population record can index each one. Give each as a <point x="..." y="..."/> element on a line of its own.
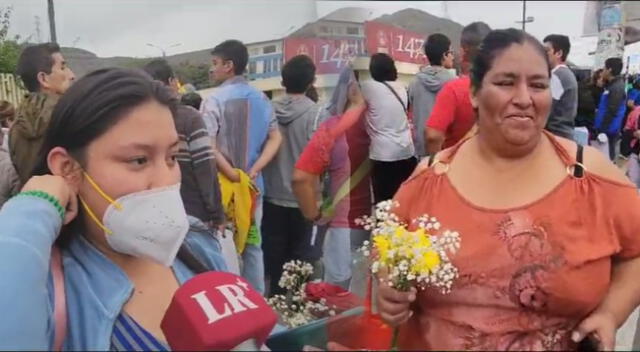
<point x="525" y="19"/>
<point x="38" y="30"/>
<point x="162" y="50"/>
<point x="524" y="15"/>
<point x="52" y="22"/>
<point x="445" y="10"/>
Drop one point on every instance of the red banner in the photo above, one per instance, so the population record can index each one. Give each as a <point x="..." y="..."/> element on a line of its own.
<point x="329" y="55"/>
<point x="400" y="44"/>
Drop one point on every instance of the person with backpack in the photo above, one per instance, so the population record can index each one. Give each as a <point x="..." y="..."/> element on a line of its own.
<point x="391" y="150"/>
<point x="612" y="106"/>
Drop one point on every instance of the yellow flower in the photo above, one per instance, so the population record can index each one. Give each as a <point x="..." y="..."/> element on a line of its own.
<point x="407" y="252"/>
<point x="422" y="238"/>
<point x="431" y="260"/>
<point x="400" y="231"/>
<point x="383" y="245"/>
<point x="400" y="234"/>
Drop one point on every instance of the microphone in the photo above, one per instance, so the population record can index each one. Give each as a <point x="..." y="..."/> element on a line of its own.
<point x="217" y="311"/>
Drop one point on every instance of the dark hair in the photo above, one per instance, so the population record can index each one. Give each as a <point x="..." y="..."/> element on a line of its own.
<point x="90" y="107"/>
<point x="559" y="42"/>
<point x="496" y="42"/>
<point x="160" y="70"/>
<point x="192" y="99"/>
<point x="614" y="64"/>
<point x="312" y="93"/>
<point x="33" y="60"/>
<point x="595" y="76"/>
<point x="93" y="105"/>
<point x="383" y="68"/>
<point x="472" y="36"/>
<point x="436" y="46"/>
<point x="298" y="74"/>
<point x="235" y="51"/>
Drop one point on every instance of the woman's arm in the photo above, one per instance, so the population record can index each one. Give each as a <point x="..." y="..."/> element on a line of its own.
<point x="28" y="228"/>
<point x="621" y="299"/>
<point x="623" y="295"/>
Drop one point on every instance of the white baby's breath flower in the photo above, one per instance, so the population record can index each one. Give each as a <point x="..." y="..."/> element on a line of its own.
<point x="403" y="254"/>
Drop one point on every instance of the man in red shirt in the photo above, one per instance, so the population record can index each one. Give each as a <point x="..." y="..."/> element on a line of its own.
<point x="453" y="116"/>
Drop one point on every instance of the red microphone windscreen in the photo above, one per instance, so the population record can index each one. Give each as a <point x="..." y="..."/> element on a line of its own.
<point x="216" y="311"/>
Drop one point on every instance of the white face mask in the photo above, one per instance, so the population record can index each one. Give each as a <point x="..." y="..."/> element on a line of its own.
<point x="149" y="224"/>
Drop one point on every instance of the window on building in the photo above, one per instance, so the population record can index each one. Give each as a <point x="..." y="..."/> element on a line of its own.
<point x="267" y="66"/>
<point x="269" y="49"/>
<point x="254" y="51"/>
<point x="252" y="67"/>
<point x="353" y="30"/>
<point x="276" y="65"/>
<point x="324" y="29"/>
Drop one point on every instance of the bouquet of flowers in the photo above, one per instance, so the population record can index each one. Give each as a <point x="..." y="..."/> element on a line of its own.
<point x="315" y="312"/>
<point x="294" y="307"/>
<point x="417" y="258"/>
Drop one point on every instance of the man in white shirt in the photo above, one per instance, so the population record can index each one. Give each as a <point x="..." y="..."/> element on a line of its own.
<point x="564" y="87"/>
<point x="392" y="150"/>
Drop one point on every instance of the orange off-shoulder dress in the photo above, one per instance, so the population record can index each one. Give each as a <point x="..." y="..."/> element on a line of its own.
<point x="529" y="274"/>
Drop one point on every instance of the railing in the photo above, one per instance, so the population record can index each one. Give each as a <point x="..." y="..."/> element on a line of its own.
<point x="10" y="90"/>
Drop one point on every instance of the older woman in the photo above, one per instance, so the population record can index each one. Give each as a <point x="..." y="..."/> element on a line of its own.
<point x="549" y="231"/>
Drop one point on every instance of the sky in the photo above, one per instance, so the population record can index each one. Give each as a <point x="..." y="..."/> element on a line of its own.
<point x="125" y="27"/>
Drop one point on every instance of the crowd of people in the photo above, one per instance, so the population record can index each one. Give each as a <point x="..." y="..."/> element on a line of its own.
<point x="126" y="189"/>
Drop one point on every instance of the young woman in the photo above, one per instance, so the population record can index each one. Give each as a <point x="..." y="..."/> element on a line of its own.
<point x="111" y="148"/>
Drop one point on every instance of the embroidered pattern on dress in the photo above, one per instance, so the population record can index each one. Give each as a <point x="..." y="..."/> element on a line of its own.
<point x="524" y="283"/>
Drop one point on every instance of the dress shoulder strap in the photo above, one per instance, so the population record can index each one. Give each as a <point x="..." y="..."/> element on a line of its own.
<point x="432" y="158"/>
<point x="578" y="169"/>
<point x="60" y="299"/>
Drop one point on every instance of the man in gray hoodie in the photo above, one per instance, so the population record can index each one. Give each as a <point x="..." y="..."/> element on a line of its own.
<point x="427" y="84"/>
<point x="287" y="235"/>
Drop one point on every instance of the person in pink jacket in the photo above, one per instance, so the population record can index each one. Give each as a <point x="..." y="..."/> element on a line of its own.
<point x="633" y="170"/>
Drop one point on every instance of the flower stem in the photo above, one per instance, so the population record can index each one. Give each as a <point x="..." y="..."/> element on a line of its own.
<point x="394" y="340"/>
<point x="402" y="285"/>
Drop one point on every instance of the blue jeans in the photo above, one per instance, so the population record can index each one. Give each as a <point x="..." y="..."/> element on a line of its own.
<point x="339" y="246"/>
<point x="252" y="257"/>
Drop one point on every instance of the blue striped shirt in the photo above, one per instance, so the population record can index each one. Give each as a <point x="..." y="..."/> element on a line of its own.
<point x="128" y="335"/>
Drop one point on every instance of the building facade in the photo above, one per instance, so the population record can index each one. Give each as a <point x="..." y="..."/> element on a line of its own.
<point x="332" y="44"/>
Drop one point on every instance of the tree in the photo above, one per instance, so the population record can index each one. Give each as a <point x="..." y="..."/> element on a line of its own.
<point x="9" y="46"/>
<point x="198" y="75"/>
<point x="134" y="62"/>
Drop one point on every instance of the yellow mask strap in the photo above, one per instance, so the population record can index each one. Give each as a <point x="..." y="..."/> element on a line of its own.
<point x="101" y="192"/>
<point x="94" y="217"/>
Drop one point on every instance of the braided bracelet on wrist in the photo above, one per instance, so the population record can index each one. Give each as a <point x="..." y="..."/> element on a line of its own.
<point x="46" y="196"/>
